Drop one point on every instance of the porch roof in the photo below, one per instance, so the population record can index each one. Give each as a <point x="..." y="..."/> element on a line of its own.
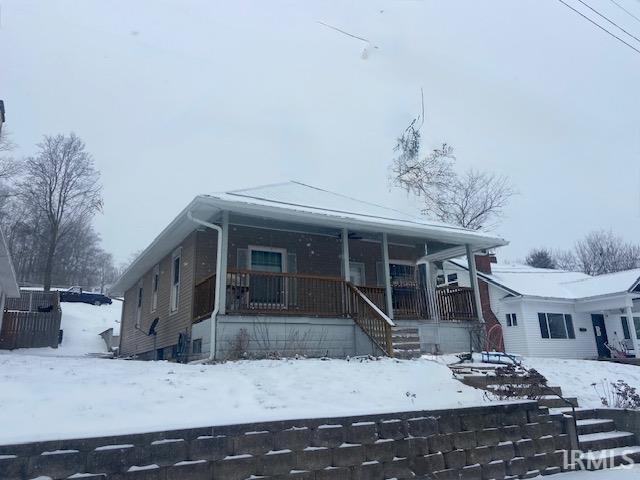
<point x="303" y="204"/>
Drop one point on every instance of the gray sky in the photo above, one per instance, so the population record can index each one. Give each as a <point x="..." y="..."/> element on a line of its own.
<point x="176" y="98"/>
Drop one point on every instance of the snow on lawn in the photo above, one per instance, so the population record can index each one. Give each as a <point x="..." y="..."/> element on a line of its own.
<point x="63" y="397"/>
<point x="620" y="473"/>
<point x="577" y="376"/>
<point x="82" y="325"/>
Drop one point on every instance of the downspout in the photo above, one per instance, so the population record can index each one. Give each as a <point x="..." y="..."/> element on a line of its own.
<point x="216" y="303"/>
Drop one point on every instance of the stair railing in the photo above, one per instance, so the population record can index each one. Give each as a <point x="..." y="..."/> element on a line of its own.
<point x="373" y="321"/>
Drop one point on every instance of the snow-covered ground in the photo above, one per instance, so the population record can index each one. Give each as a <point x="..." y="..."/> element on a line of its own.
<point x="82" y="324"/>
<point x="577" y="376"/>
<point x="61" y="393"/>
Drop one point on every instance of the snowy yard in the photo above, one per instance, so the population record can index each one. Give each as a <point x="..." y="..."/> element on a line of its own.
<point x="577" y="376"/>
<point x="59" y="393"/>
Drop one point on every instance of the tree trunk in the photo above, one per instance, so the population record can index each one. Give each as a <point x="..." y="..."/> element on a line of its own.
<point x="48" y="267"/>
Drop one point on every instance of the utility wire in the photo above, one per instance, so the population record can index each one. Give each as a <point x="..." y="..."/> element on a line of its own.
<point x="608" y="20"/>
<point x="625" y="10"/>
<point x="599" y="26"/>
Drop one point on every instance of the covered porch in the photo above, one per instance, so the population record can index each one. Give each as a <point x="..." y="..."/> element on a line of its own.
<point x="285" y="269"/>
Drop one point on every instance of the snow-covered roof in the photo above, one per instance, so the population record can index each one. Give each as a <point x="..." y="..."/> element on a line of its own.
<point x="298" y="199"/>
<point x="541" y="282"/>
<point x="304" y="204"/>
<point x="8" y="282"/>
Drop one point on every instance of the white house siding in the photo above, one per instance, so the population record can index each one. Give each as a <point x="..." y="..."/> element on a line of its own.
<point x="583" y="346"/>
<point x="515" y="338"/>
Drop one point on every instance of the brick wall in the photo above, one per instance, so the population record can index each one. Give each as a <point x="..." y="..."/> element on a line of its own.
<point x="481" y="442"/>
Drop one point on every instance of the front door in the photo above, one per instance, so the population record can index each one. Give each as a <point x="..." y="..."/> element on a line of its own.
<point x="601" y="335"/>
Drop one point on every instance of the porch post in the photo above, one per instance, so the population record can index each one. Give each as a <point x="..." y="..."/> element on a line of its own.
<point x="387" y="276"/>
<point x="431" y="274"/>
<point x="224" y="243"/>
<point x="345" y="254"/>
<point x="473" y="275"/>
<point x="632" y="330"/>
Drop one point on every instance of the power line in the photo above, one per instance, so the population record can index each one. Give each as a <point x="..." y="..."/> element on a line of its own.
<point x="599" y="26"/>
<point x="624" y="9"/>
<point x="608" y="20"/>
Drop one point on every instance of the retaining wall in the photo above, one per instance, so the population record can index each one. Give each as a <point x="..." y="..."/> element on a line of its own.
<point x="499" y="441"/>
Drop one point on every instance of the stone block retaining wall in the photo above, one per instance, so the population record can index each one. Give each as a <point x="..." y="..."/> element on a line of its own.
<point x="515" y="440"/>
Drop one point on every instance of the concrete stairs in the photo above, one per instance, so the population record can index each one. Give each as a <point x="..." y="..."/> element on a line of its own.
<point x="406" y="342"/>
<point x="602" y="446"/>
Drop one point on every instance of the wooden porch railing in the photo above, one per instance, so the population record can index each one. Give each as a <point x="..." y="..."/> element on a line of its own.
<point x="277" y="293"/>
<point x="204" y="296"/>
<point x="371" y="319"/>
<point x="456" y="303"/>
<point x="286" y="294"/>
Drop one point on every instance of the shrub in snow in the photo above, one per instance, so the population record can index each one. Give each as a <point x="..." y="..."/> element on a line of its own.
<point x="517" y="381"/>
<point x="618" y="395"/>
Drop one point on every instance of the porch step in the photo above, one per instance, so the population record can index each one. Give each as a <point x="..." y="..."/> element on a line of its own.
<point x="595" y="425"/>
<point x="581" y="413"/>
<point x="606" y="440"/>
<point x="599" y="460"/>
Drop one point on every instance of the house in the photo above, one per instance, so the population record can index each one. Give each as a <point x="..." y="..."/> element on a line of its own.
<point x="291" y="268"/>
<point x="556" y="313"/>
<point x="8" y="283"/>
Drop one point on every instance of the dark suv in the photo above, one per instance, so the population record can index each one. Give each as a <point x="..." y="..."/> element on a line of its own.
<point x="76" y="294"/>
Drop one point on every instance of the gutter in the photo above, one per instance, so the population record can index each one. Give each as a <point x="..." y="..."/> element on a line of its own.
<point x="216" y="303"/>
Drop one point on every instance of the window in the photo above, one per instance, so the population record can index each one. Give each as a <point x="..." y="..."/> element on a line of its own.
<point x="356" y="273"/>
<point x="512" y="320"/>
<point x="636" y="324"/>
<point x="401" y="273"/>
<point x="155" y="280"/>
<point x="452" y="279"/>
<point x="139" y="305"/>
<point x="197" y="346"/>
<point x="269" y="289"/>
<point x="175" y="279"/>
<point x="625" y="328"/>
<point x="556" y="325"/>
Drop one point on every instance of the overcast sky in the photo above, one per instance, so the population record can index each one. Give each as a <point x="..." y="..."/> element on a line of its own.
<point x="177" y="98"/>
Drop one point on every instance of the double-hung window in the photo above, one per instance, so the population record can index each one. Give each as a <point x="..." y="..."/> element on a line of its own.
<point x="512" y="320"/>
<point x="176" y="267"/>
<point x="556" y="325"/>
<point x="155" y="281"/>
<point x="139" y="305"/>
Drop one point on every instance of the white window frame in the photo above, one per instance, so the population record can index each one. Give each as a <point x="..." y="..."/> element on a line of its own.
<point x="407" y="263"/>
<point x="510" y="319"/>
<point x="175" y="287"/>
<point x="363" y="268"/>
<point x="139" y="303"/>
<point x="283" y="268"/>
<point x="564" y="324"/>
<point x="155" y="286"/>
<point x="258" y="248"/>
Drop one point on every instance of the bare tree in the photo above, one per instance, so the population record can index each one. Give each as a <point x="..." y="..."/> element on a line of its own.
<point x="541" y="258"/>
<point x="566" y="260"/>
<point x="603" y="252"/>
<point x="473" y="200"/>
<point x="62" y="184"/>
<point x="476" y="200"/>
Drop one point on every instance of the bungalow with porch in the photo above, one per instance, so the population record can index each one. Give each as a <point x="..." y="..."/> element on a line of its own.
<point x="557" y="313"/>
<point x="293" y="269"/>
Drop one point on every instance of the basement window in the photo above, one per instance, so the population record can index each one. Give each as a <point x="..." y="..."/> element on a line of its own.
<point x="197" y="346"/>
<point x="556" y="325"/>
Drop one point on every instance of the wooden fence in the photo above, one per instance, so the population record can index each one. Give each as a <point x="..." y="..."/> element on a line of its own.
<point x="31" y="321"/>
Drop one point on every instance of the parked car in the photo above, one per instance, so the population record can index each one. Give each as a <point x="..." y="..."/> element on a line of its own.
<point x="76" y="294"/>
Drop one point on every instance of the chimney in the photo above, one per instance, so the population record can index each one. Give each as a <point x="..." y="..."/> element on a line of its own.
<point x="484" y="261"/>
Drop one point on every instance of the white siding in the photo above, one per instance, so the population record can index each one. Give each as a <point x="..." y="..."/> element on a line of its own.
<point x="583" y="346"/>
<point x="515" y="339"/>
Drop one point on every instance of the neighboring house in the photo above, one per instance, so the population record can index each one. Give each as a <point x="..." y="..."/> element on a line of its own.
<point x="556" y="313"/>
<point x="301" y="270"/>
<point x="8" y="283"/>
